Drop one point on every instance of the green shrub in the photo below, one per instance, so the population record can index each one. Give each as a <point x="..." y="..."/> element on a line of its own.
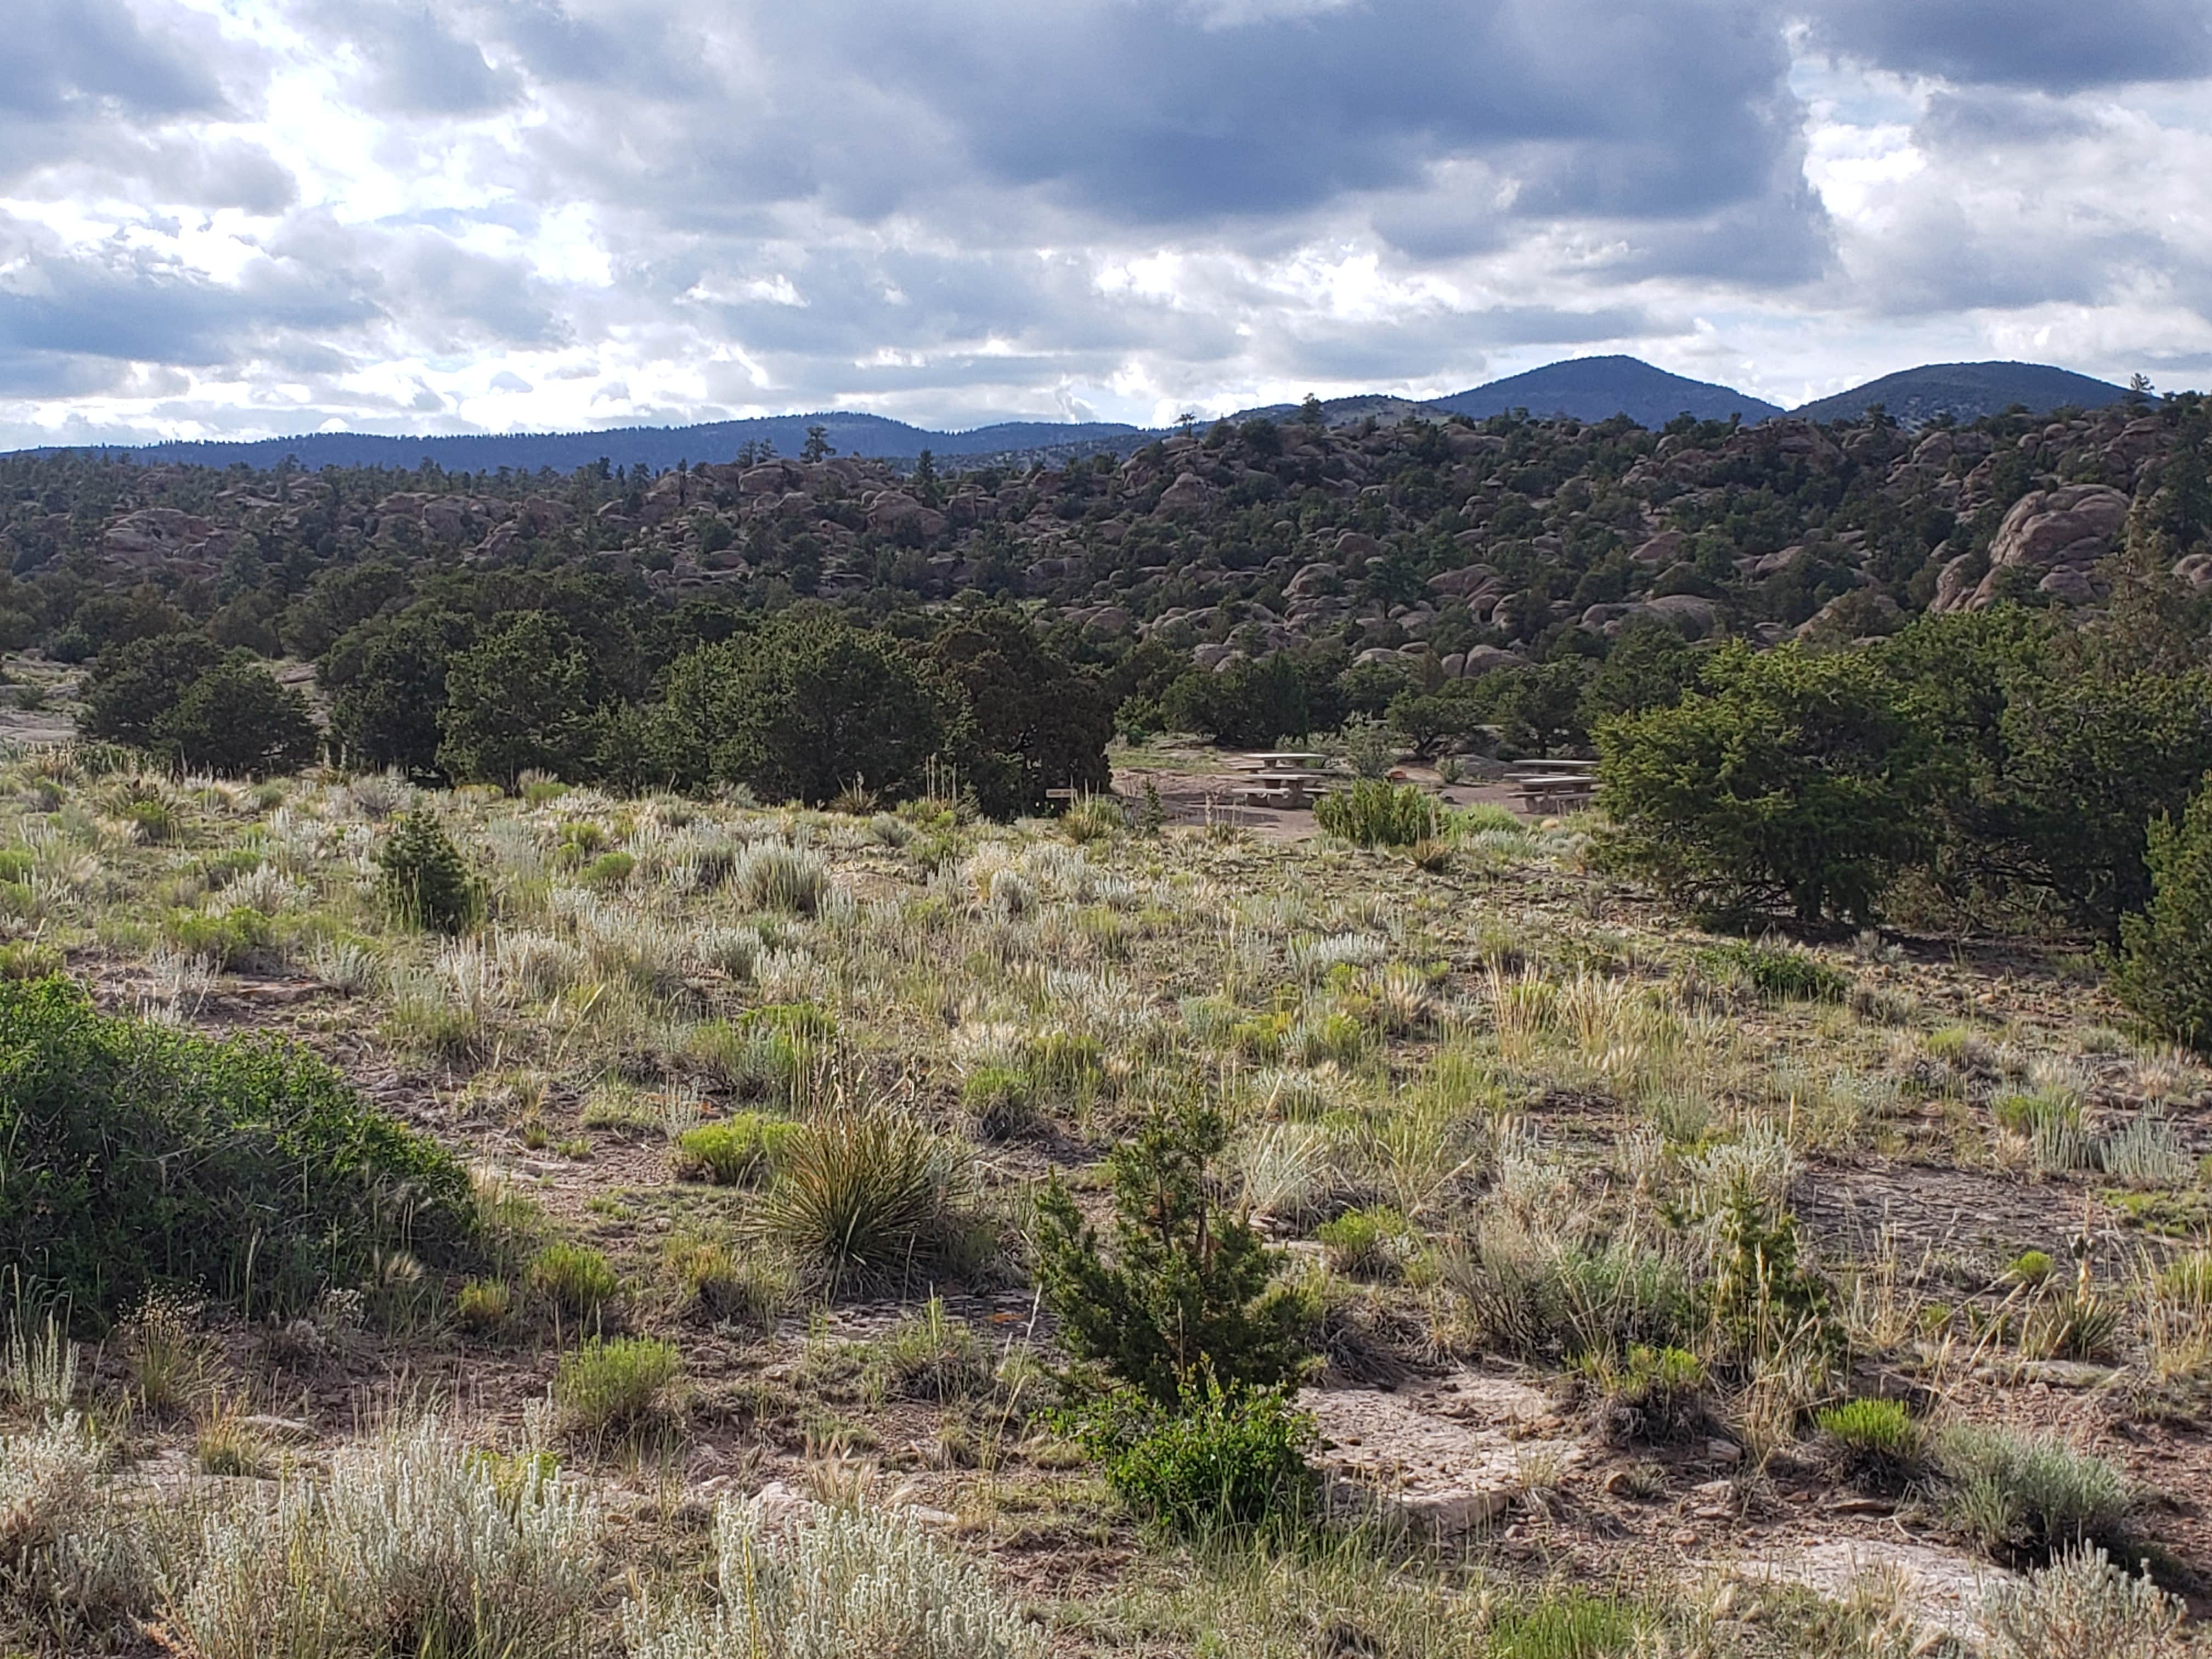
<point x="15" y="864"/>
<point x="1373" y="813"/>
<point x="138" y="1155"/>
<point x="2013" y="1491"/>
<point x="1234" y="1456"/>
<point x="579" y="842"/>
<point x="1764" y="1298"/>
<point x="1876" y="1442"/>
<point x="609" y="871"/>
<point x="577" y="1280"/>
<point x="425" y="883"/>
<point x="1363" y="1243"/>
<point x="236" y="938"/>
<point x="237" y="719"/>
<point x="27" y="959"/>
<point x="2165" y="974"/>
<point x="484" y="1305"/>
<point x="1652" y="1394"/>
<point x="1186" y="1285"/>
<point x="861" y="1196"/>
<point x="2031" y="1267"/>
<point x="723" y="1288"/>
<point x="999" y="1102"/>
<point x="614" y="1384"/>
<point x="735" y="1152"/>
<point x="1571" y="1625"/>
<point x="1777" y="973"/>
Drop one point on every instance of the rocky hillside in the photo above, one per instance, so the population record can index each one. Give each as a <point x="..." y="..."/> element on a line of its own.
<point x="1473" y="543"/>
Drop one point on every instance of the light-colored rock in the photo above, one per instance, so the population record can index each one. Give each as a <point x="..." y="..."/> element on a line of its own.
<point x="2069" y="528"/>
<point x="1445" y="1458"/>
<point x="1691" y="612"/>
<point x="1466" y="580"/>
<point x="1939" y="1589"/>
<point x="1188" y="493"/>
<point x="1488" y="658"/>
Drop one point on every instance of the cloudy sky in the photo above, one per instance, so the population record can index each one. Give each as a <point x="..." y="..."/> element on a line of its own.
<point x="259" y="218"/>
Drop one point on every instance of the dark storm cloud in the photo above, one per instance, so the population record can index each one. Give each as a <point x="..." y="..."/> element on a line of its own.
<point x="1149" y="112"/>
<point x="73" y="319"/>
<point x="87" y="84"/>
<point x="2057" y="46"/>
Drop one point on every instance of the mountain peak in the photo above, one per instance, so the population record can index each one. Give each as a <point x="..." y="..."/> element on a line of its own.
<point x="1914" y="397"/>
<point x="1598" y="388"/>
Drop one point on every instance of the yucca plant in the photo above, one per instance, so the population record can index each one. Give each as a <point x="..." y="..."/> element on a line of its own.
<point x="862" y="1195"/>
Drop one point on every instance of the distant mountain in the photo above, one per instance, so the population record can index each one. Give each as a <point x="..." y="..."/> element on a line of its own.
<point x="1597" y="388"/>
<point x="660" y="447"/>
<point x="1914" y="397"/>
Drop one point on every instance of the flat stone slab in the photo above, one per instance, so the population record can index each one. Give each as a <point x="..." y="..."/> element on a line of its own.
<point x="1445" y="1457"/>
<point x="1937" y="1588"/>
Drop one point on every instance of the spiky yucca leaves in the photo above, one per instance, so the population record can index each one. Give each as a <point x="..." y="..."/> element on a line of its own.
<point x="863" y="1195"/>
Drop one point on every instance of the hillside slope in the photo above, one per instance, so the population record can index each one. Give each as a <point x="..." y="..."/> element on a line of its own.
<point x="1966" y="392"/>
<point x="1598" y="388"/>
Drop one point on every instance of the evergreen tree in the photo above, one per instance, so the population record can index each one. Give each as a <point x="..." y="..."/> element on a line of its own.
<point x="516" y="702"/>
<point x="2166" y="953"/>
<point x="1187" y="1289"/>
<point x="236" y="720"/>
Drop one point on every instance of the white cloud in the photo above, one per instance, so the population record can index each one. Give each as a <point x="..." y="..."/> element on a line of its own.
<point x="253" y="217"/>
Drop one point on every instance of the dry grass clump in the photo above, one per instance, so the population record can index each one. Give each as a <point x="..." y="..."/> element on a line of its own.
<point x="2083" y="1606"/>
<point x="770" y="876"/>
<point x="843" y="1581"/>
<point x="414" y="1544"/>
<point x="616" y="1383"/>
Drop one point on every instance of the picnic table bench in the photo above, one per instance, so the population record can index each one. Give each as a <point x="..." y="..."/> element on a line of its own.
<point x="1547" y="791"/>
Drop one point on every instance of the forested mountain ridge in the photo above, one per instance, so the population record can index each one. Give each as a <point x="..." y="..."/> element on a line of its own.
<point x="1466" y="543"/>
<point x="659" y="449"/>
<point x="1587" y="389"/>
